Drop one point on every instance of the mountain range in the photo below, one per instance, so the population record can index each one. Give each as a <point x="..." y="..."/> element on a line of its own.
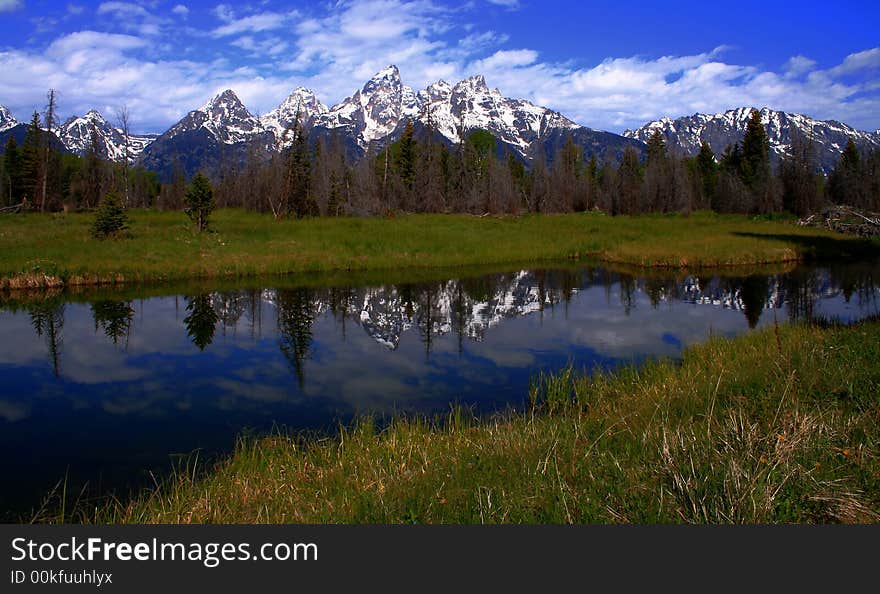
<point x="370" y="119"/>
<point x="223" y="130"/>
<point x="685" y="134"/>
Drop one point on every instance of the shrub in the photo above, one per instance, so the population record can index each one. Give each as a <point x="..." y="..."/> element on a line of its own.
<point x="199" y="200"/>
<point x="111" y="219"/>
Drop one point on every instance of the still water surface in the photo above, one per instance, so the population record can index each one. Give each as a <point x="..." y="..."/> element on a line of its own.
<point x="105" y="387"/>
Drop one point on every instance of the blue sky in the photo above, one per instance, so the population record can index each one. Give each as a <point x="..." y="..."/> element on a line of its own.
<point x="608" y="65"/>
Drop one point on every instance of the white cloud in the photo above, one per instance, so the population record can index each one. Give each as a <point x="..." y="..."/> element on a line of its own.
<point x="622" y="93"/>
<point x="10" y="5"/>
<point x="224" y="12"/>
<point x="266" y="21"/>
<point x="131" y="17"/>
<point x="506" y="59"/>
<point x="860" y="61"/>
<point x="505" y="3"/>
<point x="335" y="49"/>
<point x="798" y="65"/>
<point x="103" y="71"/>
<point x="271" y="46"/>
<point x="341" y="50"/>
<point x="180" y="10"/>
<point x="123" y="9"/>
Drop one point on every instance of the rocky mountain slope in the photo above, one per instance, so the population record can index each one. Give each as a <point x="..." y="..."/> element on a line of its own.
<point x="76" y="134"/>
<point x="7" y="120"/>
<point x="224" y="131"/>
<point x="370" y="118"/>
<point x="685" y="134"/>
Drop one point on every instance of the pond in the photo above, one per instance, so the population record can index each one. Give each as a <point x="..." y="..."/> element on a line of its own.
<point x="100" y="389"/>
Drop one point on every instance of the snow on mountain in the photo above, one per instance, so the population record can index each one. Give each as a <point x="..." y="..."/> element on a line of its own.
<point x="225" y="117"/>
<point x="385" y="102"/>
<point x="720" y="130"/>
<point x="302" y="103"/>
<point x="76" y="134"/>
<point x="7" y="120"/>
<point x="514" y="121"/>
<point x="373" y="114"/>
<point x="374" y="111"/>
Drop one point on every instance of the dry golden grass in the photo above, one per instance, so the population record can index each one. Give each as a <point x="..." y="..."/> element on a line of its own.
<point x="777" y="426"/>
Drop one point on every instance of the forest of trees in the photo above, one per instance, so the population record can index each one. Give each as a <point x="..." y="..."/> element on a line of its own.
<point x="40" y="177"/>
<point x="421" y="173"/>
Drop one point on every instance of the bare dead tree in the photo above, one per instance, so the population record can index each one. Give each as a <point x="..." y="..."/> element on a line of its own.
<point x="46" y="148"/>
<point x="123" y="118"/>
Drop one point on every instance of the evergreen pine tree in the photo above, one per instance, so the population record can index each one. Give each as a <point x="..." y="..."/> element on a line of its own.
<point x="629" y="180"/>
<point x="656" y="150"/>
<point x="708" y="172"/>
<point x="111" y="218"/>
<point x="845" y="182"/>
<point x="11" y="173"/>
<point x="299" y="174"/>
<point x="406" y="158"/>
<point x="755" y="153"/>
<point x="658" y="186"/>
<point x="199" y="200"/>
<point x="91" y="175"/>
<point x="755" y="168"/>
<point x="30" y="160"/>
<point x="850" y="158"/>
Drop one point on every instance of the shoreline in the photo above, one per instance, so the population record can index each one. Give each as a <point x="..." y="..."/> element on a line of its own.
<point x="54" y="251"/>
<point x="773" y="426"/>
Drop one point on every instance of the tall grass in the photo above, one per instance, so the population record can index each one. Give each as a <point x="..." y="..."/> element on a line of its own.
<point x="781" y="425"/>
<point x="42" y="250"/>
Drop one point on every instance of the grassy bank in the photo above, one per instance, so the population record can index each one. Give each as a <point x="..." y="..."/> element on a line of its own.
<point x="41" y="250"/>
<point x="781" y="425"/>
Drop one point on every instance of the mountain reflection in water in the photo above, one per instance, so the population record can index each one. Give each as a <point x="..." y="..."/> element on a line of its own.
<point x="104" y="387"/>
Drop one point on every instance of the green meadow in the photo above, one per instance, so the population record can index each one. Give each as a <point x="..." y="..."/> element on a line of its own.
<point x="57" y="249"/>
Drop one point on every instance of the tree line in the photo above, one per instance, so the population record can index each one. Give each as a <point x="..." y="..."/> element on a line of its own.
<point x="39" y="176"/>
<point x="422" y="173"/>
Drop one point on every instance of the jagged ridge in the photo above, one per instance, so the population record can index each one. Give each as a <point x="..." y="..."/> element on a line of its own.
<point x="372" y="117"/>
<point x="76" y="134"/>
<point x="685" y="134"/>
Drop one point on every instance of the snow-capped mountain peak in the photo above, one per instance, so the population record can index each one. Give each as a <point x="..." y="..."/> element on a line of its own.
<point x="374" y="111"/>
<point x="516" y="122"/>
<point x="439" y="90"/>
<point x="301" y="103"/>
<point x="95" y="115"/>
<point x="390" y="73"/>
<point x="384" y="103"/>
<point x="226" y="110"/>
<point x="375" y="115"/>
<point x="474" y="84"/>
<point x="76" y="134"/>
<point x="225" y="117"/>
<point x="7" y="120"/>
<point x="686" y="134"/>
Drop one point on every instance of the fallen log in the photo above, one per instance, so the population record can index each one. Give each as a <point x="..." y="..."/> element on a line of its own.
<point x="11" y="209"/>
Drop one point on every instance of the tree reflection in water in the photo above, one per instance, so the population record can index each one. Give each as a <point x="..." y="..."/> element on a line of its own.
<point x="201" y="321"/>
